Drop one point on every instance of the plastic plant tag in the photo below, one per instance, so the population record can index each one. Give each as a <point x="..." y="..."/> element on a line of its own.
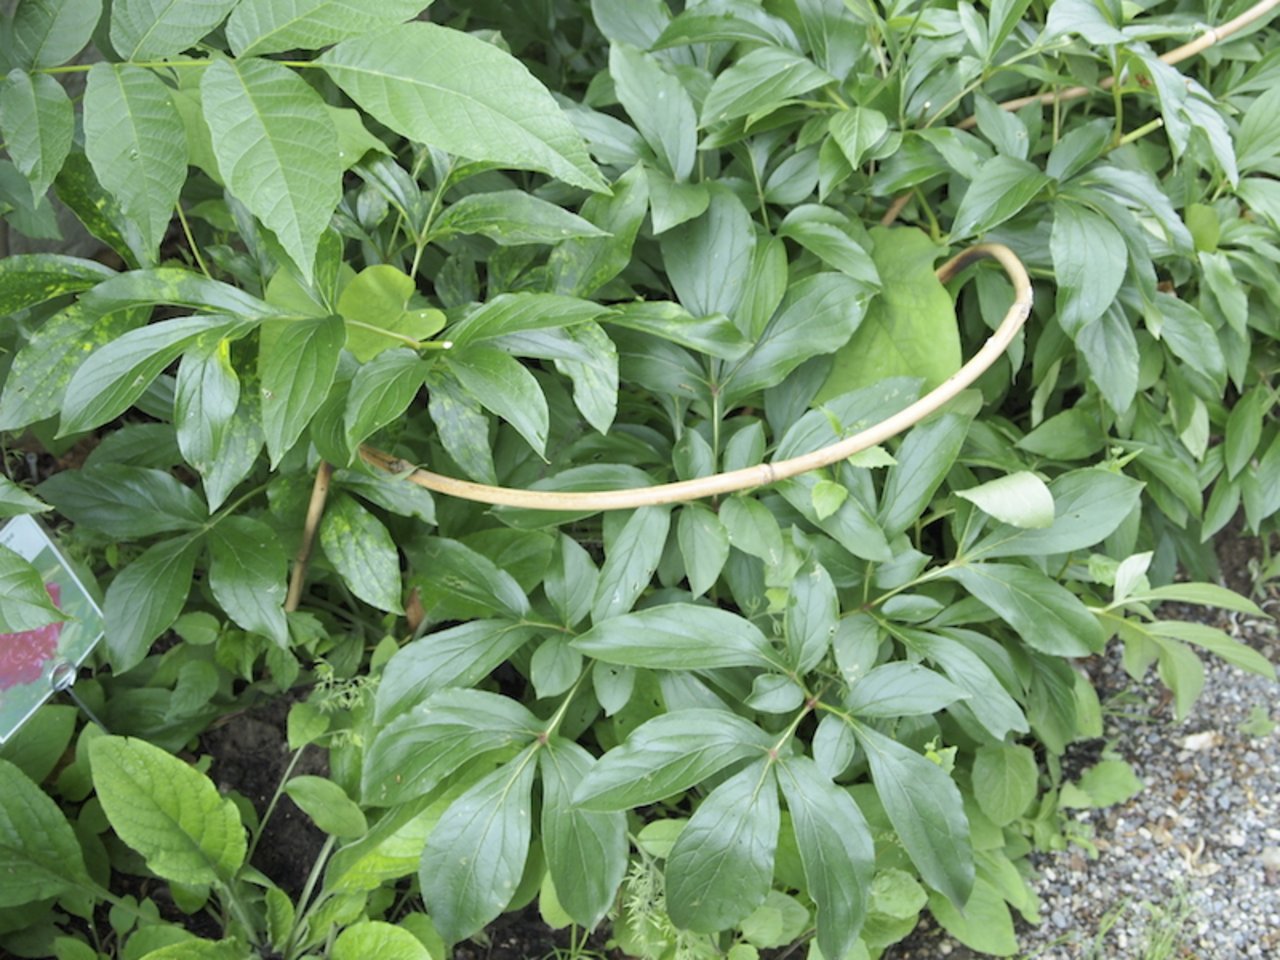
<point x="34" y="663"/>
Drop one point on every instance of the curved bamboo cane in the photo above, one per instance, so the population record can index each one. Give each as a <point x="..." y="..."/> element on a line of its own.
<point x="764" y="473"/>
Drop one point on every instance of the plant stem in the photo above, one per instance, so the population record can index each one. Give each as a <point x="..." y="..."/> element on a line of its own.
<point x="271" y="806"/>
<point x="191" y="242"/>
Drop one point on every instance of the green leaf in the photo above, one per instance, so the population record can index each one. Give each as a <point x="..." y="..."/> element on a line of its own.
<point x="510" y="313"/>
<point x="716" y="336"/>
<point x="582" y="266"/>
<point x="818" y="315"/>
<point x="1047" y="616"/>
<point x="145" y="599"/>
<point x="381" y="393"/>
<point x="374" y="938"/>
<point x="413" y="753"/>
<point x="377" y="299"/>
<point x="704" y="546"/>
<point x="813" y="613"/>
<point x="38" y="378"/>
<point x="115" y="376"/>
<point x="363" y="553"/>
<point x="156" y="29"/>
<point x="1105" y="784"/>
<point x="328" y="806"/>
<point x="836" y="851"/>
<point x="26" y="601"/>
<point x="570" y="581"/>
<point x="277" y="150"/>
<point x="721" y="866"/>
<point x="503" y="386"/>
<point x="708" y="259"/>
<point x="666" y="756"/>
<point x="462" y="95"/>
<point x="631" y="558"/>
<point x="1089" y="505"/>
<point x="180" y="287"/>
<point x="989" y="701"/>
<point x="167" y="811"/>
<point x="910" y="329"/>
<point x="660" y="106"/>
<point x="397" y="494"/>
<point x="124" y="502"/>
<point x="1003" y="187"/>
<point x="37" y="123"/>
<point x="1259" y="137"/>
<point x="586" y="851"/>
<point x="297" y="360"/>
<point x="1204" y="594"/>
<point x="247" y="570"/>
<point x="926" y="810"/>
<point x="1244" y="428"/>
<point x="983" y="925"/>
<point x="856" y="131"/>
<point x="924" y="459"/>
<point x="137" y="145"/>
<point x="759" y="82"/>
<point x="475" y="855"/>
<point x="828" y="236"/>
<point x="256" y="27"/>
<point x="196" y="949"/>
<point x="39" y="854"/>
<point x="32" y="278"/>
<point x="48" y="33"/>
<point x="677" y="636"/>
<point x="585" y="354"/>
<point x="1005" y="779"/>
<point x="1216" y="642"/>
<point x="206" y="397"/>
<point x="447" y="571"/>
<point x="1089" y="261"/>
<point x="15" y="501"/>
<point x="901" y="690"/>
<point x="1019" y="499"/>
<point x="460" y="656"/>
<point x="512" y="218"/>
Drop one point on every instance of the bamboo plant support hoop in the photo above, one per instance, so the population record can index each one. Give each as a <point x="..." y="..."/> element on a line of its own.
<point x="765" y="473"/>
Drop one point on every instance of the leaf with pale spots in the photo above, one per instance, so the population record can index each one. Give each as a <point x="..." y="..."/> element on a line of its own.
<point x="475" y="855"/>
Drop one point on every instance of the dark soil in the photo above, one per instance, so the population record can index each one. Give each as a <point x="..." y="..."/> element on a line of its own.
<point x="250" y="754"/>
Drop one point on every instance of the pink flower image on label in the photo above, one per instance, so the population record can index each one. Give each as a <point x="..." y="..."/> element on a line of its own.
<point x="23" y="655"/>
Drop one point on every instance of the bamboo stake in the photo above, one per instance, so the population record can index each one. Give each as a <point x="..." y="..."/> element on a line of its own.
<point x="315" y="510"/>
<point x="765" y="473"/>
<point x="1197" y="46"/>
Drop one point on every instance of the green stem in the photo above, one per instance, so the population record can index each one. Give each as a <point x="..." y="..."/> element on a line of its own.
<point x="271" y="807"/>
<point x="191" y="242"/>
<point x="558" y="717"/>
<point x="308" y="909"/>
<point x="144" y="64"/>
<point x="241" y="914"/>
<point x="1141" y="132"/>
<point x="406" y="340"/>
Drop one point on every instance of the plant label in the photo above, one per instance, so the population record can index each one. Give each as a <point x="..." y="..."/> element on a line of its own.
<point x="29" y="660"/>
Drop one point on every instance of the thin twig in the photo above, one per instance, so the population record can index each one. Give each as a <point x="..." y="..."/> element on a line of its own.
<point x="764" y="473"/>
<point x="315" y="510"/>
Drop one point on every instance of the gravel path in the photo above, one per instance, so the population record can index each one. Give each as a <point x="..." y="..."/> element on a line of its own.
<point x="1190" y="868"/>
